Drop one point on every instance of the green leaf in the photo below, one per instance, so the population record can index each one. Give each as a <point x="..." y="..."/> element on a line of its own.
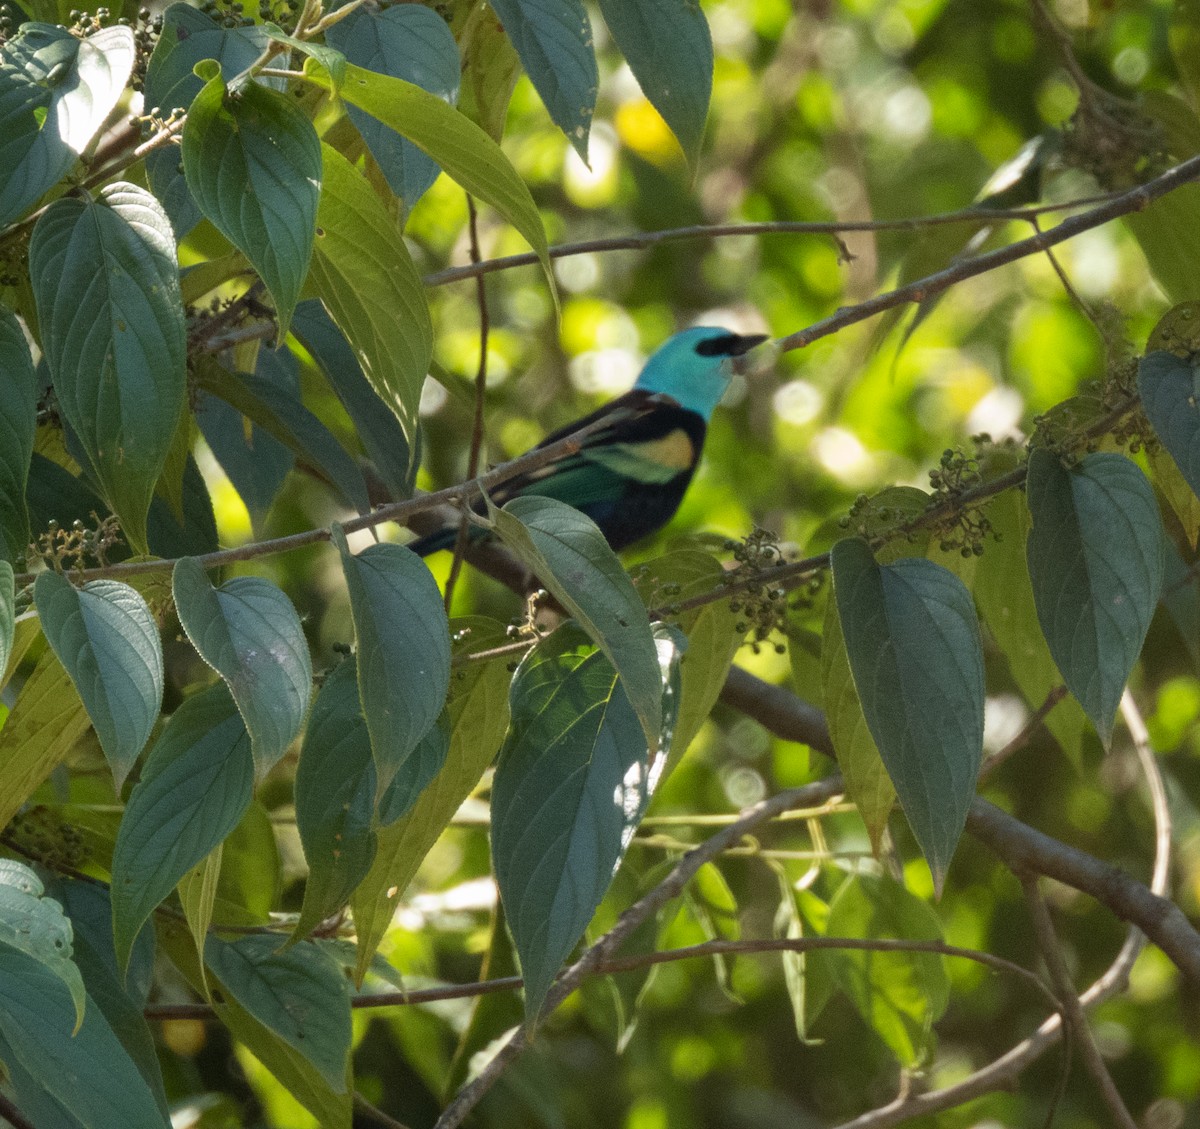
<point x="249" y="633"/>
<point x="195" y="785"/>
<point x="46" y="721"/>
<point x="1168" y="231"/>
<point x="461" y="148"/>
<point x="867" y="782"/>
<point x="403" y="643"/>
<point x="197" y="895"/>
<point x="554" y="40"/>
<point x="913" y="644"/>
<point x="106" y="637"/>
<point x="1169" y="386"/>
<point x="363" y="273"/>
<point x="188" y="36"/>
<point x="107" y="287"/>
<point x="249" y="883"/>
<point x="712" y="633"/>
<point x="413" y="43"/>
<point x="277" y="409"/>
<point x="56" y="91"/>
<point x="35" y="925"/>
<point x="8" y="623"/>
<point x="669" y="50"/>
<point x="1004" y="597"/>
<point x="87" y="1075"/>
<point x="385" y="442"/>
<point x="572" y="782"/>
<point x="900" y="995"/>
<point x="18" y="422"/>
<point x="330" y="57"/>
<point x="478" y="715"/>
<point x="90" y="910"/>
<point x="1095" y="556"/>
<point x="490" y="67"/>
<point x="299" y="994"/>
<point x="253" y="164"/>
<point x="1181" y="599"/>
<point x="420" y="768"/>
<point x="335" y="798"/>
<point x="567" y="552"/>
<point x="1184" y="39"/>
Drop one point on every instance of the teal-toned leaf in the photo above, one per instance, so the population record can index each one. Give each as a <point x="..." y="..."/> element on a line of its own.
<point x="462" y="150"/>
<point x="272" y="405"/>
<point x="87" y="1075"/>
<point x="253" y="164"/>
<point x="572" y="782"/>
<point x="107" y="287"/>
<point x="299" y="994"/>
<point x="188" y="36"/>
<point x="914" y="649"/>
<point x="410" y="42"/>
<point x="1095" y="556"/>
<point x="8" y="616"/>
<point x="335" y="798"/>
<point x="388" y="448"/>
<point x="255" y="461"/>
<point x="366" y="278"/>
<point x="18" y="422"/>
<point x="197" y="534"/>
<point x="195" y="785"/>
<point x="105" y="636"/>
<point x="867" y="782"/>
<point x="56" y="91"/>
<point x="403" y="645"/>
<point x="36" y="926"/>
<point x="249" y="633"/>
<point x="120" y="999"/>
<point x="669" y="50"/>
<point x="1181" y="598"/>
<point x="477" y="711"/>
<point x="1169" y="386"/>
<point x="1004" y="597"/>
<point x="421" y="767"/>
<point x="567" y="552"/>
<point x="554" y="40"/>
<point x="900" y="995"/>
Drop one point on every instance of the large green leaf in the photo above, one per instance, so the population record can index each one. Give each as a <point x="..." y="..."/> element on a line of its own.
<point x="669" y="50"/>
<point x="87" y="1075"/>
<point x="195" y="785"/>
<point x="107" y="288"/>
<point x="477" y="711"/>
<point x="335" y="798"/>
<point x="274" y="406"/>
<point x="914" y="649"/>
<point x="403" y="643"/>
<point x="36" y="926"/>
<point x="900" y="995"/>
<point x="1004" y="597"/>
<point x="45" y="722"/>
<point x="249" y="633"/>
<point x="1095" y="556"/>
<point x="567" y="552"/>
<point x="554" y="40"/>
<point x="364" y="274"/>
<point x="56" y="91"/>
<point x="18" y="422"/>
<point x="299" y="994"/>
<point x="867" y="782"/>
<point x="410" y="42"/>
<point x="1169" y="386"/>
<point x="490" y="67"/>
<point x="572" y="782"/>
<point x="8" y="621"/>
<point x="460" y="147"/>
<point x="253" y="164"/>
<point x="106" y="637"/>
<point x="392" y="455"/>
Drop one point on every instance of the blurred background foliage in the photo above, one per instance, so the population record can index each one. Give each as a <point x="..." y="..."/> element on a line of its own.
<point x="822" y="109"/>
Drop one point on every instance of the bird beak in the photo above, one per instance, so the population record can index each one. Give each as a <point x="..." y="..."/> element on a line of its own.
<point x="743" y="345"/>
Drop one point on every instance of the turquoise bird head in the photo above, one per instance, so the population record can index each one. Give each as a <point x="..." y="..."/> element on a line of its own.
<point x="694" y="367"/>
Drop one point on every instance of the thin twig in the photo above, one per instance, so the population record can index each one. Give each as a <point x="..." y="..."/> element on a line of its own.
<point x="1023" y="738"/>
<point x="1077" y="1024"/>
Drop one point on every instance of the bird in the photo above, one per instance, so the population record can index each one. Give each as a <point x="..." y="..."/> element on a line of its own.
<point x="631" y="472"/>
